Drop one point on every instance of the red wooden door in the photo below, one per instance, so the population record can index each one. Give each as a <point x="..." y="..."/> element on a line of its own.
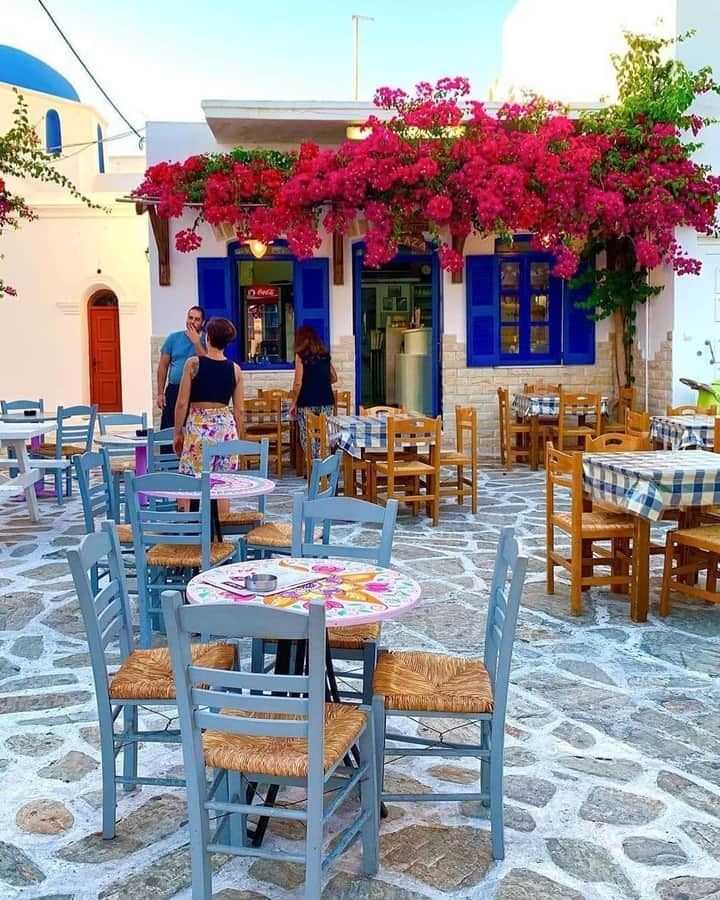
<point x="105" y="383"/>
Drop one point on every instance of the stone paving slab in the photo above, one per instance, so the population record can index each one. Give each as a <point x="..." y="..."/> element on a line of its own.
<point x="612" y="744"/>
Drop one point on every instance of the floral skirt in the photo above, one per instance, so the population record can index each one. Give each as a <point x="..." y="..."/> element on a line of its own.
<point x="207" y="426"/>
<point x="302" y="425"/>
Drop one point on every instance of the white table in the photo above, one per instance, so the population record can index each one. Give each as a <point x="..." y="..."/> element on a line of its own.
<point x="15" y="435"/>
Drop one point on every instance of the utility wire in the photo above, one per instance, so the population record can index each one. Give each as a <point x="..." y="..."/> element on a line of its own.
<point x="97" y="84"/>
<point x="104" y="140"/>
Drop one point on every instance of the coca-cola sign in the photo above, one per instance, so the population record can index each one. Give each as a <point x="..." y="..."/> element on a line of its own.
<point x="262" y="293"/>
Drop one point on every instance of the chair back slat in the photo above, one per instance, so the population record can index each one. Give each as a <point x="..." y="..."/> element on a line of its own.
<point x="307" y="513"/>
<point x="619" y="442"/>
<point x="466" y="430"/>
<point x="503" y="606"/>
<point x="342" y="403"/>
<point x="637" y="423"/>
<point x="564" y="470"/>
<point x="110" y="634"/>
<point x="324" y="476"/>
<point x="383" y="410"/>
<point x="687" y="409"/>
<point x="235" y="680"/>
<point x="199" y="706"/>
<point x="542" y="388"/>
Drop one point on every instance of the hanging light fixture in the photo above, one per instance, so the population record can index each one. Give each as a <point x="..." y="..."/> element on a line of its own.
<point x="257" y="248"/>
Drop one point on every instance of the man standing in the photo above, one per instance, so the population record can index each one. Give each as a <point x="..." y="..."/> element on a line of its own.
<point x="175" y="351"/>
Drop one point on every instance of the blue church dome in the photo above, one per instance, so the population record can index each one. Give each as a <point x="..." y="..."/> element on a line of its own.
<point x="26" y="71"/>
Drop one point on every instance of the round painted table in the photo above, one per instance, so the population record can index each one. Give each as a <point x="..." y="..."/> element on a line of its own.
<point x="225" y="486"/>
<point x="355" y="592"/>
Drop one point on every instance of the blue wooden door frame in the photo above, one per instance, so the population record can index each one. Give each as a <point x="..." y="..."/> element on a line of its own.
<point x="430" y="258"/>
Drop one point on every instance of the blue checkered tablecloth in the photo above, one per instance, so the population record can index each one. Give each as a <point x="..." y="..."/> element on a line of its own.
<point x="649" y="482"/>
<point x="681" y="432"/>
<point x="525" y="405"/>
<point x="353" y="434"/>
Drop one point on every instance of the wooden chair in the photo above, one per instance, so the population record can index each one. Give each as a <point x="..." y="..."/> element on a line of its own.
<point x="637" y="423"/>
<point x="625" y="403"/>
<point x="71" y="438"/>
<point x="456" y="688"/>
<point x="463" y="456"/>
<point x="383" y="410"/>
<point x="144" y="678"/>
<point x="10" y="407"/>
<point x="342" y="403"/>
<point x="242" y="520"/>
<point x="278" y="397"/>
<point x="275" y="538"/>
<point x="270" y="425"/>
<point x="170" y="546"/>
<point x="687" y="409"/>
<point x="420" y="480"/>
<point x="239" y="727"/>
<point x="580" y="417"/>
<point x="317" y="440"/>
<point x="564" y="472"/>
<point x="356" y="642"/>
<point x="518" y="440"/>
<point x="617" y="441"/>
<point x="688" y="552"/>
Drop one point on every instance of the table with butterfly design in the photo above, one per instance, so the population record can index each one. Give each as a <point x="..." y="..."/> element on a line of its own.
<point x="224" y="486"/>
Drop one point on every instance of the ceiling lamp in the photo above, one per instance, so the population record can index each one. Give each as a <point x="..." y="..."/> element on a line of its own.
<point x="357" y="132"/>
<point x="257" y="248"/>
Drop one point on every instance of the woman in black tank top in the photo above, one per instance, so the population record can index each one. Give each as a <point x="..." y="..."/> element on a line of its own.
<point x="202" y="413"/>
<point x="314" y="377"/>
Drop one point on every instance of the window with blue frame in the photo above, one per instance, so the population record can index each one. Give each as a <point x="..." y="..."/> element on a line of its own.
<point x="266" y="299"/>
<point x="53" y="132"/>
<point x="518" y="313"/>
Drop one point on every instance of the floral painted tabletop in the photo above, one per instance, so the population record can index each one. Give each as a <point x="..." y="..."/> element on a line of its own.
<point x="354" y="591"/>
<point x="225" y="486"/>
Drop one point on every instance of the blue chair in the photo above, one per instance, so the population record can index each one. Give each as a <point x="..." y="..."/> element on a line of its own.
<point x="120" y="460"/>
<point x="72" y="438"/>
<point x="144" y="677"/>
<point x="427" y="685"/>
<point x="170" y="546"/>
<point x="160" y="454"/>
<point x="240" y="521"/>
<point x="245" y="729"/>
<point x="357" y="643"/>
<point x="276" y="537"/>
<point x="8" y="407"/>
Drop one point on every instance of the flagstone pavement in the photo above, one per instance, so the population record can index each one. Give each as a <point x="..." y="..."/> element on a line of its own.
<point x="612" y="757"/>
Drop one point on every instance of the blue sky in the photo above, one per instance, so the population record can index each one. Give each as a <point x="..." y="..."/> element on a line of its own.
<point x="158" y="59"/>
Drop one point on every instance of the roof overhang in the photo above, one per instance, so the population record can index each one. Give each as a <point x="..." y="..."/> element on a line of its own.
<point x="284" y="122"/>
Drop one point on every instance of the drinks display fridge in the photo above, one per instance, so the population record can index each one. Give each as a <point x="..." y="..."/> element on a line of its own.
<point x="264" y="317"/>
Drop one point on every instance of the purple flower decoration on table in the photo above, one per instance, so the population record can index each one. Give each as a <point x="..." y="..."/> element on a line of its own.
<point x="377" y="587"/>
<point x="329" y="604"/>
<point x="327" y="568"/>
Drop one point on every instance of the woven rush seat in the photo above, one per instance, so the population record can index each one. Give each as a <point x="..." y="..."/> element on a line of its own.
<point x="187" y="555"/>
<point x="242" y="517"/>
<point x="275" y="534"/>
<point x="433" y="682"/>
<point x="452" y="457"/>
<point x="265" y="755"/>
<point x="353" y="637"/>
<point x="147" y="674"/>
<point x="704" y="537"/>
<point x="122" y="464"/>
<point x="406" y="467"/>
<point x="124" y="533"/>
<point x="599" y="521"/>
<point x="65" y="450"/>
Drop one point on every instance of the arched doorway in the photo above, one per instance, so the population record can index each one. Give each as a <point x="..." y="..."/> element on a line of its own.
<point x="104" y="351"/>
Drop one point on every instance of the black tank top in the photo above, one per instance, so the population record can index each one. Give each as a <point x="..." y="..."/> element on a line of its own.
<point x="315" y="389"/>
<point x="214" y="381"/>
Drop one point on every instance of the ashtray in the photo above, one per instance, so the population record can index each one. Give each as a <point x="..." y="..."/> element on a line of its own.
<point x="260" y="583"/>
<point x="29" y="412"/>
<point x="141" y="432"/>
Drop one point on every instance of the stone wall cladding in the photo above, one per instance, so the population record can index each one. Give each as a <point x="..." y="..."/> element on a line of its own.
<point x="478" y="386"/>
<point x="660" y="376"/>
<point x="343" y="354"/>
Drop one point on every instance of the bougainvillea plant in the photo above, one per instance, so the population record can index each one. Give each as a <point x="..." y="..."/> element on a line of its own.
<point x="441" y="164"/>
<point x="21" y="157"/>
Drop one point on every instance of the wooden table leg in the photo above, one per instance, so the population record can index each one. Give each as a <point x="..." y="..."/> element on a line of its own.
<point x="640" y="595"/>
<point x="534" y="448"/>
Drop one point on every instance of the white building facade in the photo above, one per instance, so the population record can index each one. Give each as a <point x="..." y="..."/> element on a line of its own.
<point x="78" y="330"/>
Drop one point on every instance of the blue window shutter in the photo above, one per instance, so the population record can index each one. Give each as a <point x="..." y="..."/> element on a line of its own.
<point x="101" y="150"/>
<point x="215" y="295"/>
<point x="53" y="132"/>
<point x="312" y="296"/>
<point x="483" y="335"/>
<point x="578" y="326"/>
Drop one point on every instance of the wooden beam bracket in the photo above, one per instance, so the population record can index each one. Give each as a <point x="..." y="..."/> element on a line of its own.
<point x="338" y="248"/>
<point x="458" y="245"/>
<point x="161" y="233"/>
